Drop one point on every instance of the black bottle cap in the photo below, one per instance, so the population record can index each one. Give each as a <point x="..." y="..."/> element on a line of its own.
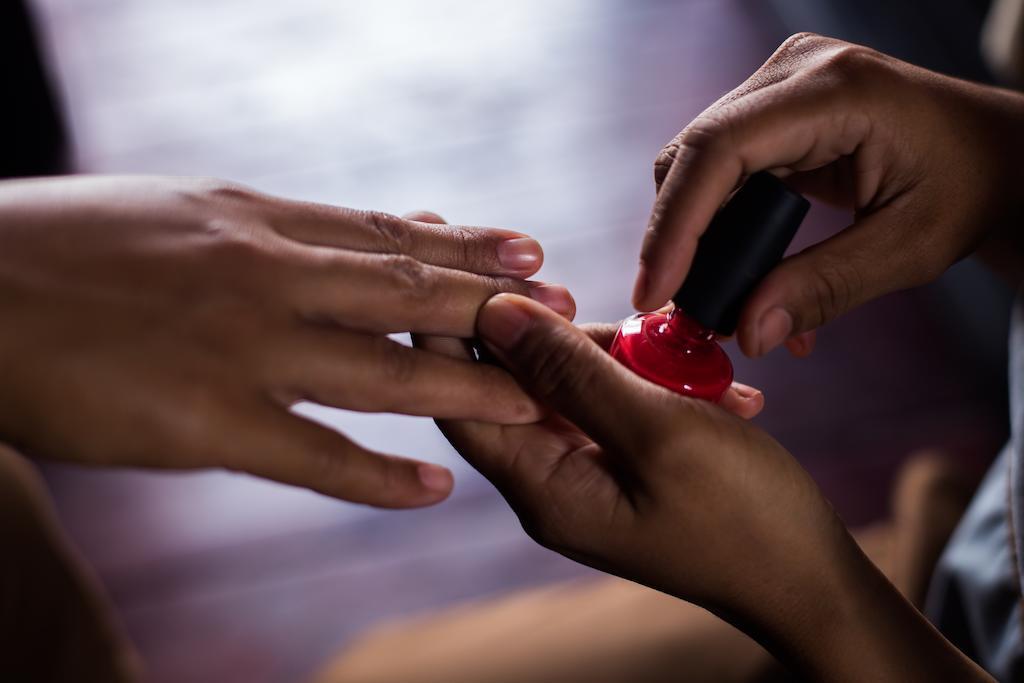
<point x="745" y="240"/>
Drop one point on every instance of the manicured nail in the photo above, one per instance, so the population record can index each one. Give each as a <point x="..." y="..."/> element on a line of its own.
<point x="555" y="297"/>
<point x="502" y="322"/>
<point x="640" y="288"/>
<point x="434" y="477"/>
<point x="520" y="255"/>
<point x="772" y="329"/>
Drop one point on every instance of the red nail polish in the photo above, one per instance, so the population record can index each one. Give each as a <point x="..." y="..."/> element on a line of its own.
<point x="676" y="352"/>
<point x="745" y="240"/>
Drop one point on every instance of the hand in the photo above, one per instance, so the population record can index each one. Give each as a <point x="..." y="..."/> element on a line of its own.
<point x="678" y="494"/>
<point x="740" y="399"/>
<point x="928" y="164"/>
<point x="173" y="322"/>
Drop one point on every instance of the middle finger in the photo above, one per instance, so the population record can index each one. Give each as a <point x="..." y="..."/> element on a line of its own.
<point x="388" y="293"/>
<point x="355" y="371"/>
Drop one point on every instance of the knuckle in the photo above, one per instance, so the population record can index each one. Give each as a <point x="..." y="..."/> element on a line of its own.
<point x="708" y="132"/>
<point x="398" y="365"/>
<point x="463" y="240"/>
<point x="799" y="50"/>
<point x="499" y="285"/>
<point x="391" y="231"/>
<point x="233" y="192"/>
<point x="706" y="136"/>
<point x="799" y="39"/>
<point x="789" y="58"/>
<point x="711" y="138"/>
<point x="201" y="411"/>
<point x="326" y="468"/>
<point x="409" y="275"/>
<point x="217" y="190"/>
<point x="847" y="64"/>
<point x="550" y="367"/>
<point x="233" y="248"/>
<point x="666" y="157"/>
<point x="835" y="288"/>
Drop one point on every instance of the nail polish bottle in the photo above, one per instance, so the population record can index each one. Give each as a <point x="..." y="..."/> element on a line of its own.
<point x="745" y="240"/>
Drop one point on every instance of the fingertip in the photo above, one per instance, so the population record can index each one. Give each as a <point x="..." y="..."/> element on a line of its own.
<point x="655" y="284"/>
<point x="746" y="338"/>
<point x="410" y="484"/>
<point x="520" y="255"/>
<point x="772" y="329"/>
<point x="437" y="480"/>
<point x="503" y="320"/>
<point x="556" y="297"/>
<point x="801" y="345"/>
<point x="743" y="401"/>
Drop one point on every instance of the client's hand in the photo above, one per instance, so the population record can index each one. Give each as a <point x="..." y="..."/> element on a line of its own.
<point x="678" y="494"/>
<point x="172" y="323"/>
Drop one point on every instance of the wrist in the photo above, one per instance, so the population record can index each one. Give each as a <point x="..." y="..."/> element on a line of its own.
<point x="841" y="620"/>
<point x="1000" y="204"/>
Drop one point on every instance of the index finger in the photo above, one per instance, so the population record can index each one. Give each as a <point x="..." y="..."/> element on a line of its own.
<point x="397" y="293"/>
<point x="488" y="251"/>
<point x="791" y="125"/>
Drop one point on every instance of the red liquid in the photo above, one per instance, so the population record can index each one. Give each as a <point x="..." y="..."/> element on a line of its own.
<point x="674" y="351"/>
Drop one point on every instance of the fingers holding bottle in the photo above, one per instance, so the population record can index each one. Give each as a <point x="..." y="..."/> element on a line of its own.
<point x="922" y="160"/>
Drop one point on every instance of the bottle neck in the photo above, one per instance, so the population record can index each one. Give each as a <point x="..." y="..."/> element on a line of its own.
<point x="682" y="326"/>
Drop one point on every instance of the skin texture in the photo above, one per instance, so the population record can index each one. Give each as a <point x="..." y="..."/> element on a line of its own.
<point x="167" y="322"/>
<point x="927" y="164"/>
<point x="678" y="494"/>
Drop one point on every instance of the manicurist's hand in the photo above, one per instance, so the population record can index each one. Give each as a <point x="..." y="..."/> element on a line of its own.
<point x="928" y="165"/>
<point x="679" y="494"/>
<point x="172" y="323"/>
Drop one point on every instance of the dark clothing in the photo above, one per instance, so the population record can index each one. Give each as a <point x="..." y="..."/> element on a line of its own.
<point x="32" y="134"/>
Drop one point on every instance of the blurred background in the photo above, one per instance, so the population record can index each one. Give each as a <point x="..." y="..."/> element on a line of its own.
<point x="538" y="115"/>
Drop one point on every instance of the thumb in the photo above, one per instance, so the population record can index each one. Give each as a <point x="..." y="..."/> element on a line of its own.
<point x="809" y="289"/>
<point x="560" y="365"/>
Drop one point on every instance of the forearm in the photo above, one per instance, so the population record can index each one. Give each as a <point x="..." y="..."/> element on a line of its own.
<point x="846" y="622"/>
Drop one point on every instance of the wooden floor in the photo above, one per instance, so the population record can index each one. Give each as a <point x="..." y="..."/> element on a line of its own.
<point x="540" y="115"/>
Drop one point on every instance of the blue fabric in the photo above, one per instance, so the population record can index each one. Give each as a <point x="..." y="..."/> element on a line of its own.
<point x="975" y="596"/>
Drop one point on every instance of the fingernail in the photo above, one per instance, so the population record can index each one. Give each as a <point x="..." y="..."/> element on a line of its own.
<point x="772" y="329"/>
<point x="434" y="477"/>
<point x="555" y="297"/>
<point x="799" y="346"/>
<point x="520" y="254"/>
<point x="502" y="322"/>
<point x="745" y="391"/>
<point x="640" y="288"/>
